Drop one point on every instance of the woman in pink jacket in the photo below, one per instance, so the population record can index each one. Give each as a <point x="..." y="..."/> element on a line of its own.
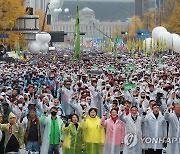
<point x="115" y="131"/>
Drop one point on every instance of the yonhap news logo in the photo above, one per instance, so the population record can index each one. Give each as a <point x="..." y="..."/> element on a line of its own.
<point x="131" y="139"/>
<point x="156" y="140"/>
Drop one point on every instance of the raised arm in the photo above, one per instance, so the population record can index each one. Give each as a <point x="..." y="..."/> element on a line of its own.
<point x="103" y="120"/>
<point x="167" y="114"/>
<point x="121" y="117"/>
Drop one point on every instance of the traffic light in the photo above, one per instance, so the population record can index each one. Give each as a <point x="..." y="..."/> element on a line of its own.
<point x="124" y="33"/>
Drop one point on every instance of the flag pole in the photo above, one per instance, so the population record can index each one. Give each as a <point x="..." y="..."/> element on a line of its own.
<point x="77" y="35"/>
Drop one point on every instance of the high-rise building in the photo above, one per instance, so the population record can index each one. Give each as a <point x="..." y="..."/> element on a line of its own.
<point x="139" y="8"/>
<point x="143" y="6"/>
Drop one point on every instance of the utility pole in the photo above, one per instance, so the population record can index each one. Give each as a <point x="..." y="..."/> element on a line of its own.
<point x="47" y="7"/>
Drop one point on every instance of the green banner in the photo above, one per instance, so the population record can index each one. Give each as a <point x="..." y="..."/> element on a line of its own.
<point x="128" y="86"/>
<point x="111" y="68"/>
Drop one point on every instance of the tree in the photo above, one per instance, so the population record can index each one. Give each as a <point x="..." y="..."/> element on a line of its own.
<point x="135" y="24"/>
<point x="9" y="11"/>
<point x="116" y="31"/>
<point x="167" y="9"/>
<point x="173" y="22"/>
<point x="149" y="20"/>
<point x="41" y="19"/>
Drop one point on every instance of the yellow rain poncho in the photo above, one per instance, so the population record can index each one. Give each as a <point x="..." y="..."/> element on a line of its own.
<point x="94" y="135"/>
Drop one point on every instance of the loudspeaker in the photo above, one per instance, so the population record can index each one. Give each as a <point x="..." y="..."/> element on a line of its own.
<point x="48" y="19"/>
<point x="29" y="10"/>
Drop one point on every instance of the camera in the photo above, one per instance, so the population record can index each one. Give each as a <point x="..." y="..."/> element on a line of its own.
<point x="159" y="97"/>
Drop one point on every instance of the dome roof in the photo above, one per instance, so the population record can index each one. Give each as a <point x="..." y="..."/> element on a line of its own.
<point x="86" y="9"/>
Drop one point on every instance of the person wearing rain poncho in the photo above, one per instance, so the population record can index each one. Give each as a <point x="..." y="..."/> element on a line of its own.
<point x="115" y="131"/>
<point x="93" y="133"/>
<point x="2" y="136"/>
<point x="133" y="132"/>
<point x="52" y="137"/>
<point x="173" y="140"/>
<point x="156" y="129"/>
<point x="14" y="135"/>
<point x="73" y="136"/>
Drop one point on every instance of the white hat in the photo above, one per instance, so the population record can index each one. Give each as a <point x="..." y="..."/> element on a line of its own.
<point x="108" y="85"/>
<point x="11" y="115"/>
<point x="3" y="94"/>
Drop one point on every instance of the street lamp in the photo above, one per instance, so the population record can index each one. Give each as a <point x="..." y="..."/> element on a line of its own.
<point x="60" y="10"/>
<point x="66" y="10"/>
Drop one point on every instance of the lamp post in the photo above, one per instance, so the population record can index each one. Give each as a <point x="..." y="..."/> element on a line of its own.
<point x="47" y="7"/>
<point x="60" y="10"/>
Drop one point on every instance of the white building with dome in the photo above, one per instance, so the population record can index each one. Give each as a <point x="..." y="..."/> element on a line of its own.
<point x="88" y="24"/>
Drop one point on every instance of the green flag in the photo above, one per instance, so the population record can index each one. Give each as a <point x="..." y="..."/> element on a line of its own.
<point x="77" y="36"/>
<point x="128" y="86"/>
<point x="109" y="48"/>
<point x="19" y="53"/>
<point x="159" y="61"/>
<point x="129" y="45"/>
<point x="126" y="71"/>
<point x="111" y="68"/>
<point x="151" y="48"/>
<point x="149" y="68"/>
<point x="94" y="67"/>
<point x="131" y="66"/>
<point x="115" y="48"/>
<point x="145" y="49"/>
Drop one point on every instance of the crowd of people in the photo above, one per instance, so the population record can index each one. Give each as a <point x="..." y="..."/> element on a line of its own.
<point x="51" y="104"/>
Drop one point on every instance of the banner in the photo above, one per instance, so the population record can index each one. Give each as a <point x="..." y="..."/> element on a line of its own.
<point x="77" y="36"/>
<point x="128" y="86"/>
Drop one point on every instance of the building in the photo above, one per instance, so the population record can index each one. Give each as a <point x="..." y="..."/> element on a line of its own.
<point x="139" y="8"/>
<point x="36" y="4"/>
<point x="88" y="24"/>
<point x="117" y="9"/>
<point x="143" y="6"/>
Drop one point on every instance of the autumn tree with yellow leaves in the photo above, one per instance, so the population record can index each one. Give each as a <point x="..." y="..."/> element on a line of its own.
<point x="135" y="24"/>
<point x="116" y="31"/>
<point x="10" y="10"/>
<point x="173" y="22"/>
<point x="149" y="20"/>
<point x="41" y="15"/>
